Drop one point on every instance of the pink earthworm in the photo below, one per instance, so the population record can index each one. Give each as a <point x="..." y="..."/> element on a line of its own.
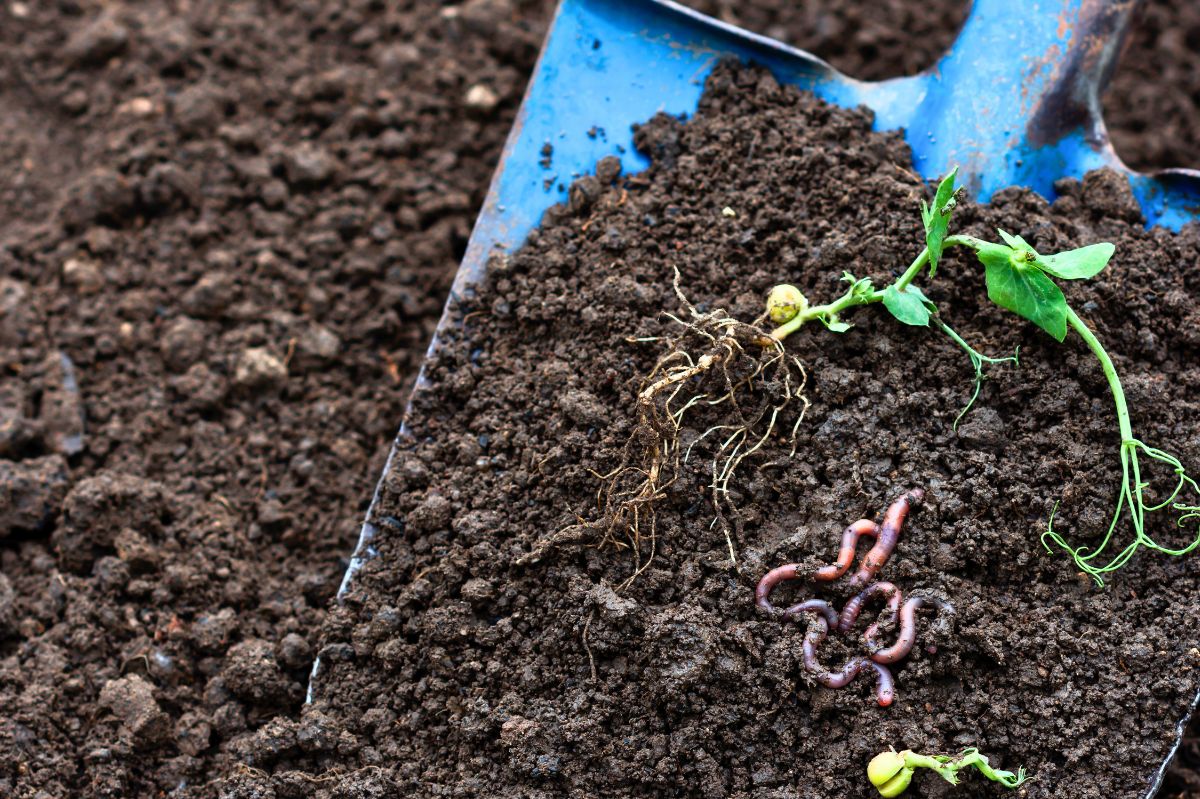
<point x="886" y="540"/>
<point x="780" y="574"/>
<point x="852" y="608"/>
<point x="790" y="572"/>
<point x="908" y="629"/>
<point x="824" y="574"/>
<point x="850" y="536"/>
<point x="818" y="606"/>
<point x="885" y="687"/>
<point x="885" y="537"/>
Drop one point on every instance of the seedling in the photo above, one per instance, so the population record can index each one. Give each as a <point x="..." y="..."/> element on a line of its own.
<point x="1018" y="278"/>
<point x="762" y="385"/>
<point x="891" y="772"/>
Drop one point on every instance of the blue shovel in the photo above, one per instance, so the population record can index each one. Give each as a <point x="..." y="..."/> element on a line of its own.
<point x="1015" y="102"/>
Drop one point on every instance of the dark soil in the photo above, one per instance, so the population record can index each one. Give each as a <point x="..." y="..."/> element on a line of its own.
<point x="239" y="222"/>
<point x="869" y="41"/>
<point x="459" y="667"/>
<point x="1153" y="106"/>
<point x="189" y="201"/>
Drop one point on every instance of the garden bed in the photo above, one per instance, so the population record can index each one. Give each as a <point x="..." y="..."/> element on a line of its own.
<point x="193" y="117"/>
<point x="461" y="662"/>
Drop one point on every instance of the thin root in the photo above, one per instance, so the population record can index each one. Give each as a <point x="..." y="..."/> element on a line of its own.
<point x="759" y="385"/>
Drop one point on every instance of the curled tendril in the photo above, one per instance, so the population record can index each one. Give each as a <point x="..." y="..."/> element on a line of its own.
<point x="978" y="361"/>
<point x="1132" y="495"/>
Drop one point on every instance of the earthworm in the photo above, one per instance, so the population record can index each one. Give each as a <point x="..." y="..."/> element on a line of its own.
<point x="850" y="536"/>
<point x="885" y="541"/>
<point x="908" y="629"/>
<point x="854" y="606"/>
<point x="819" y="606"/>
<point x="889" y="535"/>
<point x="885" y="687"/>
<point x="771" y="579"/>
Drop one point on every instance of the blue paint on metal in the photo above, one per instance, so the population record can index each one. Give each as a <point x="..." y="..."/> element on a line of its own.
<point x="610" y="64"/>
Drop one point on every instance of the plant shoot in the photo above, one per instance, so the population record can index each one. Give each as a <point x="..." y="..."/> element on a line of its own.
<point x="744" y="367"/>
<point x="891" y="772"/>
<point x="1018" y="278"/>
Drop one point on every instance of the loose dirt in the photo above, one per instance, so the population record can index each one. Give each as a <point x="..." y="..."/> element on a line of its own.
<point x="237" y="222"/>
<point x="461" y="666"/>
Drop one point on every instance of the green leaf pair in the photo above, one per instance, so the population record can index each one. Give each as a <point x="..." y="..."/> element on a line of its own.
<point x="937" y="219"/>
<point x="1016" y="276"/>
<point x="1016" y="273"/>
<point x="909" y="305"/>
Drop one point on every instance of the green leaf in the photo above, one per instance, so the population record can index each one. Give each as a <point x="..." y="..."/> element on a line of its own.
<point x="1077" y="264"/>
<point x="859" y="286"/>
<point x="837" y="326"/>
<point x="936" y="218"/>
<point x="1021" y="287"/>
<point x="1016" y="242"/>
<point x="910" y="306"/>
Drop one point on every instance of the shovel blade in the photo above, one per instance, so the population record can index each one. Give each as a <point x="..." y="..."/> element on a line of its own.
<point x="1015" y="102"/>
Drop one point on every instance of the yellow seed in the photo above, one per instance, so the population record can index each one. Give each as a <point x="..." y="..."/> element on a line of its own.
<point x="784" y="303"/>
<point x="884" y="766"/>
<point x="896" y="785"/>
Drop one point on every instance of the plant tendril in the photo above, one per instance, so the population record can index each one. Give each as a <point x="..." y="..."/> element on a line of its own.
<point x="978" y="359"/>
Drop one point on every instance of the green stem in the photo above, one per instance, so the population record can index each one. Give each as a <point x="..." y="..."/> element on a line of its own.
<point x="1110" y="373"/>
<point x="951" y="241"/>
<point x="913" y="270"/>
<point x="948" y="767"/>
<point x="830" y="310"/>
<point x="914" y="760"/>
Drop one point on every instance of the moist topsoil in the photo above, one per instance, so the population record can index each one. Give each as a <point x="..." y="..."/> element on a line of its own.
<point x="1152" y="107"/>
<point x="461" y="666"/>
<point x="284" y="186"/>
<point x="177" y="189"/>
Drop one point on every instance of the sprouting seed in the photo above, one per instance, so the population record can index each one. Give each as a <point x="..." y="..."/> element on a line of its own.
<point x="891" y="772"/>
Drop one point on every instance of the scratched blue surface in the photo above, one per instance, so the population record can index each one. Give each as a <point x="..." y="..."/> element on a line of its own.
<point x="609" y="64"/>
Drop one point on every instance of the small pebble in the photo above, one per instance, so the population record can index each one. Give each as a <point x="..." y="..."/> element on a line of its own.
<point x="83" y="274"/>
<point x="259" y="369"/>
<point x="317" y="344"/>
<point x="138" y="107"/>
<point x="481" y="98"/>
<point x="309" y="165"/>
<point x="183" y="343"/>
